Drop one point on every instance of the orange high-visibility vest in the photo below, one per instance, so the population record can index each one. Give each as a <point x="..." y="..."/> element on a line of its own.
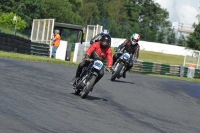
<point x="56" y="42"/>
<point x="191" y="65"/>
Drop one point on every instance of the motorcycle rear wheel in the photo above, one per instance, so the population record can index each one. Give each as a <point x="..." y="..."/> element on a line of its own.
<point x="77" y="91"/>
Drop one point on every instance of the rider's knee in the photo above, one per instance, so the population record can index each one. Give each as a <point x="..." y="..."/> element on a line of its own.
<point x="101" y="73"/>
<point x="131" y="64"/>
<point x="81" y="65"/>
<point x="115" y="56"/>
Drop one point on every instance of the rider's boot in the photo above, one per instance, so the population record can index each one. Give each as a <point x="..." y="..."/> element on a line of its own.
<point x="73" y="81"/>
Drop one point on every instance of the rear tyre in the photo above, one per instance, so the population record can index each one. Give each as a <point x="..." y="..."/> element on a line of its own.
<point x="77" y="91"/>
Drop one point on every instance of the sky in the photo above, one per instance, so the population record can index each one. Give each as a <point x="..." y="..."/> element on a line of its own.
<point x="183" y="11"/>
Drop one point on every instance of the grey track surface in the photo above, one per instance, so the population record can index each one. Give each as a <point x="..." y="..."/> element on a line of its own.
<point x="37" y="98"/>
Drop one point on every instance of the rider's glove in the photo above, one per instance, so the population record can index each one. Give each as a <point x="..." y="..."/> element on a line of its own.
<point x="109" y="69"/>
<point x="118" y="50"/>
<point x="135" y="59"/>
<point x="86" y="57"/>
<point x="91" y="42"/>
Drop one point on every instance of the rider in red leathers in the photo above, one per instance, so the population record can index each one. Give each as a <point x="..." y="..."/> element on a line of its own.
<point x="98" y="50"/>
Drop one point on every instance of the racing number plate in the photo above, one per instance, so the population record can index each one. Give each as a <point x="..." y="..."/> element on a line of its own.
<point x="126" y="56"/>
<point x="98" y="64"/>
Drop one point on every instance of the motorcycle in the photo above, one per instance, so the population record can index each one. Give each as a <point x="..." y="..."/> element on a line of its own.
<point x="120" y="65"/>
<point x="87" y="78"/>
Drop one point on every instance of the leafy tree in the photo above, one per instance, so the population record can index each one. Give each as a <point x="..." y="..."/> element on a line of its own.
<point x="76" y="4"/>
<point x="26" y="9"/>
<point x="7" y="5"/>
<point x="146" y="15"/>
<point x="124" y="18"/>
<point x="61" y="11"/>
<point x="182" y="40"/>
<point x="161" y="36"/>
<point x="171" y="37"/>
<point x="101" y="6"/>
<point x="89" y="11"/>
<point x="194" y="39"/>
<point x="6" y="19"/>
<point x="118" y="17"/>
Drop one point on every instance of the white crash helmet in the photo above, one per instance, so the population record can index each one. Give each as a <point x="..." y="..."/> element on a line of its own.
<point x="135" y="38"/>
<point x="105" y="31"/>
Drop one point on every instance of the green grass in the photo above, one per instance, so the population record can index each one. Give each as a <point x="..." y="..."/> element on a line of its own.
<point x="160" y="57"/>
<point x="144" y="55"/>
<point x="175" y="77"/>
<point x="17" y="56"/>
<point x="11" y="31"/>
<point x="7" y="30"/>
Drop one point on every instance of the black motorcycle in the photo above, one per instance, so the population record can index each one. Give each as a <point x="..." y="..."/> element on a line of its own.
<point x="87" y="78"/>
<point x="120" y="65"/>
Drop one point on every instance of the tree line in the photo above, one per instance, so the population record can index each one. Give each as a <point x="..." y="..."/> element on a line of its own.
<point x="120" y="17"/>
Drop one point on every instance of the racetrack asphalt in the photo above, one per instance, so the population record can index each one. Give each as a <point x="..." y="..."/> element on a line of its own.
<point x="36" y="97"/>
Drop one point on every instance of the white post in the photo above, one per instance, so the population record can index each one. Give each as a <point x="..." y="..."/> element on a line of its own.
<point x="87" y="34"/>
<point x="44" y="24"/>
<point x="15" y="19"/>
<point x="38" y="30"/>
<point x="76" y="52"/>
<point x="97" y="27"/>
<point x="184" y="59"/>
<point x="94" y="31"/>
<point x="50" y="41"/>
<point x="198" y="61"/>
<point x="33" y="26"/>
<point x="48" y="32"/>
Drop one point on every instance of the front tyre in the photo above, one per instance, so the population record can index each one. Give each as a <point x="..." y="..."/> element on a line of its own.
<point x="117" y="72"/>
<point x="88" y="87"/>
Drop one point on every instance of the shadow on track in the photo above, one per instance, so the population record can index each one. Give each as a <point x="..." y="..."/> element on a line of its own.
<point x="95" y="98"/>
<point x="120" y="81"/>
<point x="89" y="97"/>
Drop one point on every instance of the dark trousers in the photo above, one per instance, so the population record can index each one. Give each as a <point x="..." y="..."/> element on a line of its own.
<point x="130" y="64"/>
<point x="85" y="63"/>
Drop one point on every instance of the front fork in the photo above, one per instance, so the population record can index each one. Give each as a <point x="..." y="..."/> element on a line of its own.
<point x="116" y="66"/>
<point x="122" y="70"/>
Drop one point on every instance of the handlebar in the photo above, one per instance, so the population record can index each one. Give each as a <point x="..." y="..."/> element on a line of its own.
<point x="89" y="59"/>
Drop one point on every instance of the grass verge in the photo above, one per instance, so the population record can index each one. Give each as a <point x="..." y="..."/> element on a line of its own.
<point x="169" y="59"/>
<point x="17" y="56"/>
<point x="175" y="77"/>
<point x="161" y="58"/>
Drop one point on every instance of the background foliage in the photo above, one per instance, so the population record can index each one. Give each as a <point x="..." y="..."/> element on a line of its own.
<point x="6" y="19"/>
<point x="121" y="17"/>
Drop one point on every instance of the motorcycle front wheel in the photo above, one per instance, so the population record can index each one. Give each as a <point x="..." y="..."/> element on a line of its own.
<point x="88" y="87"/>
<point x="117" y="72"/>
